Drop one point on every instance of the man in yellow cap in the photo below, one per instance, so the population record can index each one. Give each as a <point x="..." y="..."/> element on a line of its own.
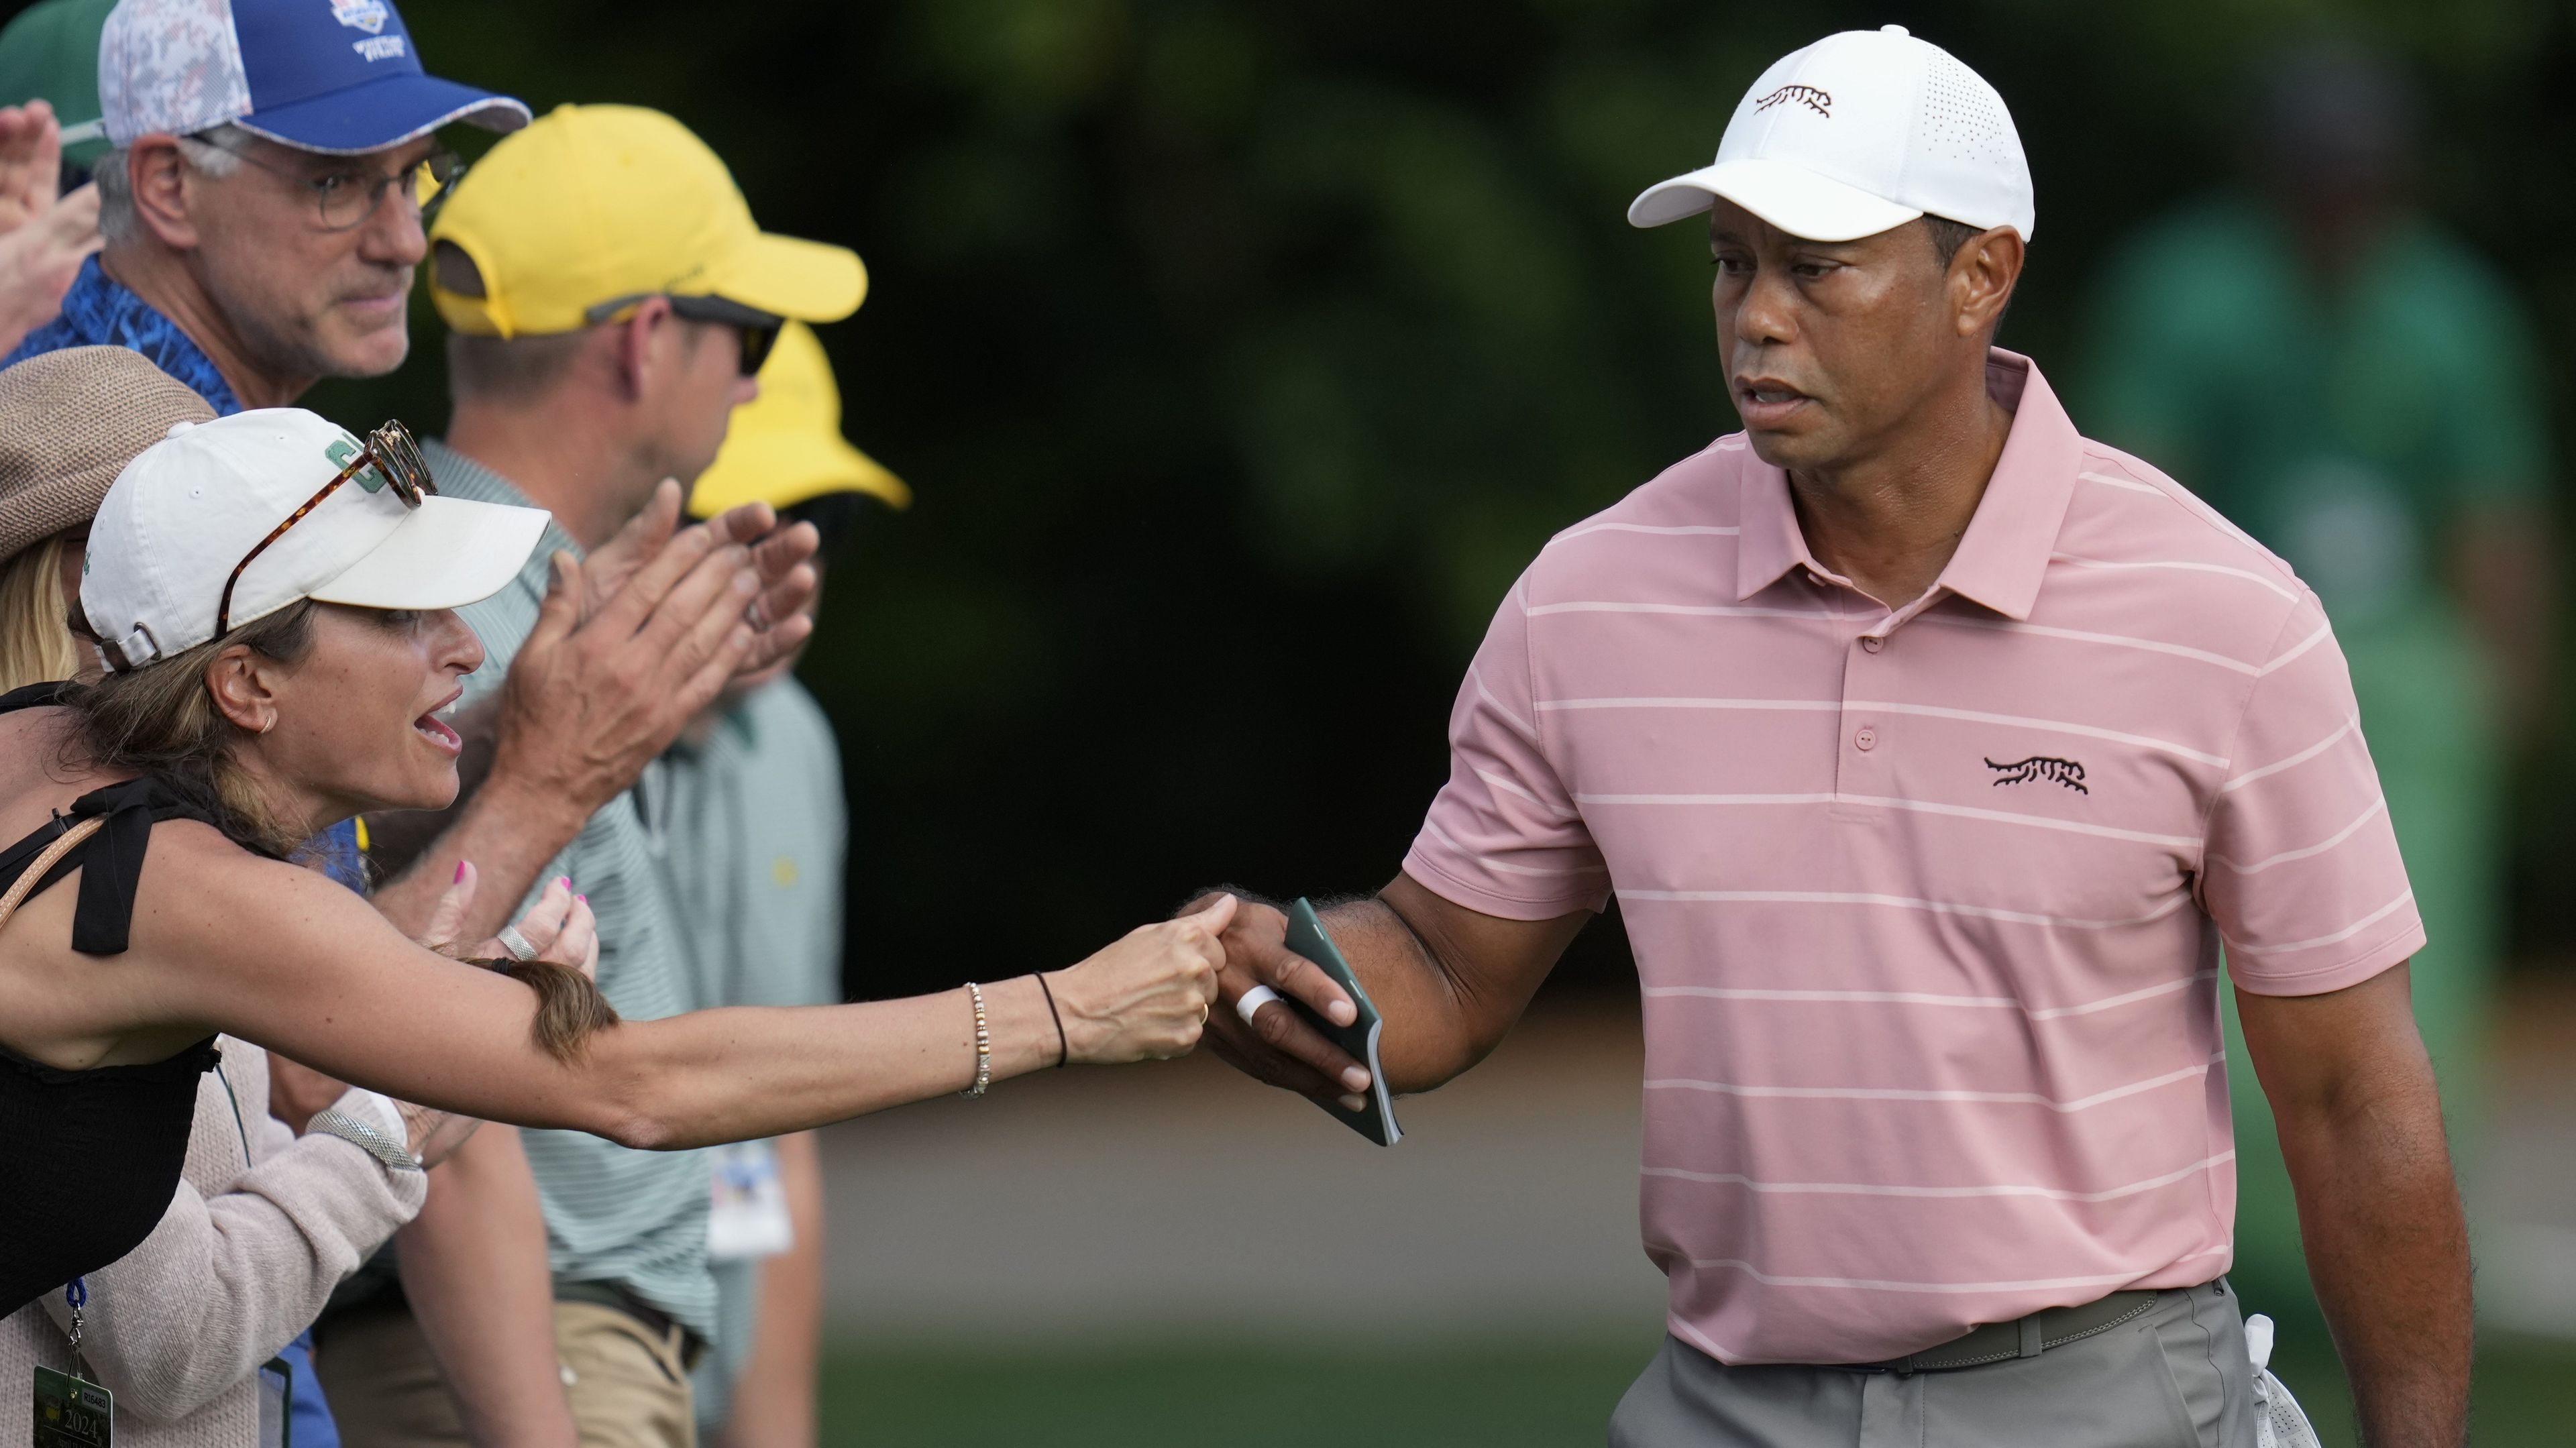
<point x="610" y="301"/>
<point x="755" y="829"/>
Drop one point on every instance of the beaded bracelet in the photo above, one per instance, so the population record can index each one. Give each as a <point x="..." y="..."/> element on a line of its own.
<point x="983" y="1045"/>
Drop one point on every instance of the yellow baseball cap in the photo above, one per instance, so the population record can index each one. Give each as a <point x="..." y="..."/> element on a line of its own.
<point x="595" y="207"/>
<point x="785" y="446"/>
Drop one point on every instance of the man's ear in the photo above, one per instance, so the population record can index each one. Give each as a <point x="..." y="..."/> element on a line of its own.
<point x="158" y="177"/>
<point x="238" y="680"/>
<point x="643" y="344"/>
<point x="1982" y="277"/>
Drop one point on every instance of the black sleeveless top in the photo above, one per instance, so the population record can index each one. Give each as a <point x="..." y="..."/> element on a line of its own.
<point x="89" y="1159"/>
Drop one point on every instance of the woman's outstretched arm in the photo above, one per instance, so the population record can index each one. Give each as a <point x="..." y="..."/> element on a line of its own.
<point x="278" y="956"/>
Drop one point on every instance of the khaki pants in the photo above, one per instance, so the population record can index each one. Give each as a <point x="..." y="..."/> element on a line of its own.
<point x="626" y="1382"/>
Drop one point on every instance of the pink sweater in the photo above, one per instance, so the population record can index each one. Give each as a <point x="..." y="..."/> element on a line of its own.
<point x="240" y="1264"/>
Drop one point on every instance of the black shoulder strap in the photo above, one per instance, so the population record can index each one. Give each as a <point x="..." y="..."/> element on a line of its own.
<point x="110" y="862"/>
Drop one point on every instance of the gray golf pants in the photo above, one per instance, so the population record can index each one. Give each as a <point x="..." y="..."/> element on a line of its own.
<point x="2176" y="1377"/>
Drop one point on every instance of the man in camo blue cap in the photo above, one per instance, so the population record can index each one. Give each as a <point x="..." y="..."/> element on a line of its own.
<point x="261" y="197"/>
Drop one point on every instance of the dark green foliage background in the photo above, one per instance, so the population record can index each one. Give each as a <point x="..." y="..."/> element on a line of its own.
<point x="1241" y="353"/>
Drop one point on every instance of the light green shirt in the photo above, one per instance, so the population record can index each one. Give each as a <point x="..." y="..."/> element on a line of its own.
<point x="613" y="1214"/>
<point x="751" y="831"/>
<point x="2346" y="431"/>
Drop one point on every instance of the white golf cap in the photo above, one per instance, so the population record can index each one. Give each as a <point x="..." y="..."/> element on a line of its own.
<point x="1859" y="132"/>
<point x="185" y="512"/>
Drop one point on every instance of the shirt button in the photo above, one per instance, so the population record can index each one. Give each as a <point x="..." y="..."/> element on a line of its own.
<point x="1873" y="643"/>
<point x="1866" y="737"/>
<point x="1815" y="579"/>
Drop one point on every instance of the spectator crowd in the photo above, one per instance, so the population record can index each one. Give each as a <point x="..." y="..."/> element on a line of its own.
<point x="525" y="681"/>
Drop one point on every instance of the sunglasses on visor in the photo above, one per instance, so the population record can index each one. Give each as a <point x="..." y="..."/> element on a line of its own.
<point x="390" y="454"/>
<point x="757" y="329"/>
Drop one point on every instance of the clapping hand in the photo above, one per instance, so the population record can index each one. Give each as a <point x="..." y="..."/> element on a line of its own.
<point x="31" y="163"/>
<point x="634" y="641"/>
<point x="781" y="556"/>
<point x="43" y="239"/>
<point x="559" y="928"/>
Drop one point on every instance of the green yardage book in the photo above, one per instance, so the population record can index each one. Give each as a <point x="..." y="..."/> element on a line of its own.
<point x="1306" y="936"/>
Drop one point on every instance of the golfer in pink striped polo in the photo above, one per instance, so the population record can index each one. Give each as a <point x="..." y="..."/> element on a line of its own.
<point x="1946" y="765"/>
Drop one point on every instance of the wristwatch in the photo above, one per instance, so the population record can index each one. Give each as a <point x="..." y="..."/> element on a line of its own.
<point x="333" y="1121"/>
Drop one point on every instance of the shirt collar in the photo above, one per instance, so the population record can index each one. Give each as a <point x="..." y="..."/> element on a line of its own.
<point x="2004" y="554"/>
<point x="1768" y="543"/>
<point x="100" y="311"/>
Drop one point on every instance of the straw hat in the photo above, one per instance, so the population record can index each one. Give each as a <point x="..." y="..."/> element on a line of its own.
<point x="69" y="423"/>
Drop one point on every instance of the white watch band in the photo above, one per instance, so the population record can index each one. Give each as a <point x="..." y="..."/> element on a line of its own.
<point x="389" y="1150"/>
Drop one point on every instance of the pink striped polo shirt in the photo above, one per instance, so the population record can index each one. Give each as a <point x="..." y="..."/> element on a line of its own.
<point x="1927" y="906"/>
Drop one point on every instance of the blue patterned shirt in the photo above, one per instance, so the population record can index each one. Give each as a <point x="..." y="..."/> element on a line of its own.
<point x="100" y="311"/>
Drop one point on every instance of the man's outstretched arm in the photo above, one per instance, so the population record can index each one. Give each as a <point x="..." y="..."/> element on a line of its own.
<point x="2379" y="1211"/>
<point x="1449" y="981"/>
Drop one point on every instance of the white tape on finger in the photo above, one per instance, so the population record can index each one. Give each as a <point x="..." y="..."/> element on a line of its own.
<point x="1253" y="1000"/>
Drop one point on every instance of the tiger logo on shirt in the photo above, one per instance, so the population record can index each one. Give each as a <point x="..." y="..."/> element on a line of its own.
<point x="2067" y="772"/>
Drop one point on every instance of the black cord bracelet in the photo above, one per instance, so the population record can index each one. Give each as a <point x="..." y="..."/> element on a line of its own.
<point x="1063" y="1047"/>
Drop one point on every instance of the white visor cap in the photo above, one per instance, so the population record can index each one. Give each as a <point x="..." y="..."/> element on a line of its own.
<point x="187" y="510"/>
<point x="1859" y="132"/>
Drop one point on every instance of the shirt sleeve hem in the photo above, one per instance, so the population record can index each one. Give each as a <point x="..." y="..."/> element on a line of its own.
<point x="2345" y="973"/>
<point x="1446" y="884"/>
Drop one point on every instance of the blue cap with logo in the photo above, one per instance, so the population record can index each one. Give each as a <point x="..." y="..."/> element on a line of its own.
<point x="338" y="76"/>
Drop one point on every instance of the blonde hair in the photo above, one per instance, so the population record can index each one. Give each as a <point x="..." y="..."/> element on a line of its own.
<point x="35" y="629"/>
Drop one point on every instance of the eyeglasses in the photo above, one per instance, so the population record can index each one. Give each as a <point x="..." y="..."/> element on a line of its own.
<point x="345" y="199"/>
<point x="757" y="329"/>
<point x="390" y="459"/>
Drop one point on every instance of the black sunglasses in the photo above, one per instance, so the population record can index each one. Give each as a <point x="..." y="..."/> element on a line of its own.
<point x="757" y="329"/>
